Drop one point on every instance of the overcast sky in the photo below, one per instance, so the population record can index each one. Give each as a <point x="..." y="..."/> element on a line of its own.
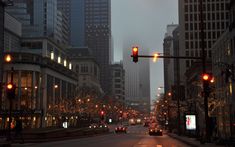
<point x="147" y="21"/>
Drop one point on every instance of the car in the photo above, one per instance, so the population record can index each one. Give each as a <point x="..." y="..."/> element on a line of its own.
<point x="93" y="126"/>
<point x="121" y="129"/>
<point x="155" y="131"/>
<point x="104" y="127"/>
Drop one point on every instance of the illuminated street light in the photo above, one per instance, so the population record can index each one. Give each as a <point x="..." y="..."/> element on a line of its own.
<point x="56" y="86"/>
<point x="155" y="57"/>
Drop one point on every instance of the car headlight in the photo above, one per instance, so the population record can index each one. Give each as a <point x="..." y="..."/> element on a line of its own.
<point x="89" y="126"/>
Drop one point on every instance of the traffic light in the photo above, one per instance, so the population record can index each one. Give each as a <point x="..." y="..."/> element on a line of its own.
<point x="207" y="79"/>
<point x="102" y="115"/>
<point x="135" y="54"/>
<point x="10" y="91"/>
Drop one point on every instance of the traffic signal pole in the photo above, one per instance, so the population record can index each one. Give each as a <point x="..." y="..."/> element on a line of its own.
<point x="10" y="107"/>
<point x="207" y="131"/>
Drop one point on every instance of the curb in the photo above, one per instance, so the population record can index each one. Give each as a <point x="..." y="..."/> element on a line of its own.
<point x="59" y="138"/>
<point x="182" y="140"/>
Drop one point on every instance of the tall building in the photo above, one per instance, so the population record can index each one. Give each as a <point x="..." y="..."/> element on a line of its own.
<point x="215" y="17"/>
<point x="168" y="49"/>
<point x="137" y="79"/>
<point x="75" y="12"/>
<point x="98" y="37"/>
<point x="40" y="18"/>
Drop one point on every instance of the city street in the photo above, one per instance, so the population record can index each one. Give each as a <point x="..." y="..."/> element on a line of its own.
<point x="137" y="136"/>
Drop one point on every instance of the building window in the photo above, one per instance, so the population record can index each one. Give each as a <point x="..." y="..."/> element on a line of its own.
<point x="65" y="63"/>
<point x="70" y="66"/>
<point x="52" y="55"/>
<point x="59" y="59"/>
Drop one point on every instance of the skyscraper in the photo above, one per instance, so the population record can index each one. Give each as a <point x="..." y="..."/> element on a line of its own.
<point x="168" y="47"/>
<point x="98" y="36"/>
<point x="75" y="11"/>
<point x="40" y="18"/>
<point x="215" y="17"/>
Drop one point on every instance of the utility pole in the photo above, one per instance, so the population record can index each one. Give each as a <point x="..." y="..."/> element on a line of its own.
<point x="207" y="131"/>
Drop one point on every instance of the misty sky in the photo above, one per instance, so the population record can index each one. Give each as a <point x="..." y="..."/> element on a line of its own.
<point x="145" y="20"/>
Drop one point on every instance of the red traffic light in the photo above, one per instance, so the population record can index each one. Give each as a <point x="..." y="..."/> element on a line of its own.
<point x="102" y="112"/>
<point x="208" y="77"/>
<point x="135" y="54"/>
<point x="205" y="77"/>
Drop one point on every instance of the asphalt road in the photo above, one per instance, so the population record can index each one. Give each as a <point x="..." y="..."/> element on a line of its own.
<point x="137" y="136"/>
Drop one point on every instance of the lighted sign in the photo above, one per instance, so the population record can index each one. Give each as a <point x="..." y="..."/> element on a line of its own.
<point x="190" y="122"/>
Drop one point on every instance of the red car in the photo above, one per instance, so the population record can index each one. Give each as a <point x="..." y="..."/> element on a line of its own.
<point x="121" y="129"/>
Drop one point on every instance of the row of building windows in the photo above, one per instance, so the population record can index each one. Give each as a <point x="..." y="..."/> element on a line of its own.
<point x="207" y="26"/>
<point x="208" y="16"/>
<point x="215" y="1"/>
<point x="197" y="35"/>
<point x="197" y="44"/>
<point x="206" y="7"/>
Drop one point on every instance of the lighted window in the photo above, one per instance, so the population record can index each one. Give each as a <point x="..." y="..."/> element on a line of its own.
<point x="52" y="55"/>
<point x="70" y="65"/>
<point x="59" y="60"/>
<point x="230" y="88"/>
<point x="65" y="63"/>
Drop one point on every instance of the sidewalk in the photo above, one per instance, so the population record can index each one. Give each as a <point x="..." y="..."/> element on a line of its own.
<point x="191" y="141"/>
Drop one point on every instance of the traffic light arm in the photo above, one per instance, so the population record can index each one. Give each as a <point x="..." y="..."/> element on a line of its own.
<point x="175" y="57"/>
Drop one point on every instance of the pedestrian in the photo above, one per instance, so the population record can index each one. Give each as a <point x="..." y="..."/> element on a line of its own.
<point x="19" y="129"/>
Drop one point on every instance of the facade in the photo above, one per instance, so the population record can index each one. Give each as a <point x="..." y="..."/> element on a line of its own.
<point x="39" y="18"/>
<point x="137" y="80"/>
<point x="87" y="70"/>
<point x="45" y="84"/>
<point x="118" y="82"/>
<point x="12" y="34"/>
<point x="223" y="61"/>
<point x="215" y="16"/>
<point x="62" y="29"/>
<point x="98" y="37"/>
<point x="223" y="69"/>
<point x="75" y="12"/>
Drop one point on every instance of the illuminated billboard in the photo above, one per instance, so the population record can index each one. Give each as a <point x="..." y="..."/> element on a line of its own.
<point x="190" y="122"/>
